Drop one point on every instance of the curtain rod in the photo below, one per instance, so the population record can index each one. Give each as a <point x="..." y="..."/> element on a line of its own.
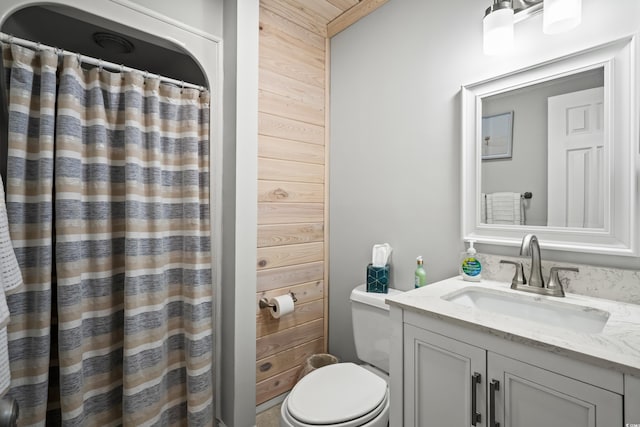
<point x="93" y="61"/>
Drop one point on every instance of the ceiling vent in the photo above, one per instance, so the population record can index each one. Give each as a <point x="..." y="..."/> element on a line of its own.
<point x="113" y="43"/>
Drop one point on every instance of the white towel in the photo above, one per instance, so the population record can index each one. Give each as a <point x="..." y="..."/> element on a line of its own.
<point x="10" y="281"/>
<point x="10" y="277"/>
<point x="504" y="208"/>
<point x="5" y="373"/>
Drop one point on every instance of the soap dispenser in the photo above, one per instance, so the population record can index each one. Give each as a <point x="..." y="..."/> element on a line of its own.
<point x="470" y="267"/>
<point x="420" y="275"/>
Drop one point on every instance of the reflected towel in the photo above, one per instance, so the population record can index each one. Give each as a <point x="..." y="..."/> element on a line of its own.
<point x="504" y="208"/>
<point x="10" y="280"/>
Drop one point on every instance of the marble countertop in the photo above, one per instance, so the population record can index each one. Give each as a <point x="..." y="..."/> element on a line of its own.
<point x="617" y="346"/>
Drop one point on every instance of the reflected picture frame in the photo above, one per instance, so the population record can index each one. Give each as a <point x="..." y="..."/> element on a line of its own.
<point x="497" y="136"/>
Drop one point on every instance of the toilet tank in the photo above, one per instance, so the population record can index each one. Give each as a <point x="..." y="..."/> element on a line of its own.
<point x="371" y="326"/>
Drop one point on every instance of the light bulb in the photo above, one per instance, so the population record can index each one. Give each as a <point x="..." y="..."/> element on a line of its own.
<point x="561" y="15"/>
<point x="498" y="30"/>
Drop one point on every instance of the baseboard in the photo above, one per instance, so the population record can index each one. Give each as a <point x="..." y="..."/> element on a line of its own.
<point x="271" y="403"/>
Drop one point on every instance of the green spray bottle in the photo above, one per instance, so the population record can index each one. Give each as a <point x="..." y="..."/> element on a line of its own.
<point x="420" y="275"/>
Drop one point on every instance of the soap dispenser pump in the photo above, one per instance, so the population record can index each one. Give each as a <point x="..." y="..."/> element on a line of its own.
<point x="470" y="267"/>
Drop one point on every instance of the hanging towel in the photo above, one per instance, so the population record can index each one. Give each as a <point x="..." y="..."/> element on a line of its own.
<point x="504" y="208"/>
<point x="5" y="373"/>
<point x="10" y="277"/>
<point x="10" y="281"/>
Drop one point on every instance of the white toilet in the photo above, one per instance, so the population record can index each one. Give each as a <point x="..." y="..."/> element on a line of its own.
<point x="346" y="394"/>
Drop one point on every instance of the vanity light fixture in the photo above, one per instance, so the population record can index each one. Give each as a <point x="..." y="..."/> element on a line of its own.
<point x="558" y="16"/>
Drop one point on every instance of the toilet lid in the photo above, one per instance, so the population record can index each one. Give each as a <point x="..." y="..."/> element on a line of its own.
<point x="336" y="393"/>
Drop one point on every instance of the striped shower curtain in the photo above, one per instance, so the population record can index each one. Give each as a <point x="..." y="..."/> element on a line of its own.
<point x="108" y="205"/>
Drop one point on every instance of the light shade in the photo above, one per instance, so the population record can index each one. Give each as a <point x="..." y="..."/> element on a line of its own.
<point x="561" y="15"/>
<point x="498" y="28"/>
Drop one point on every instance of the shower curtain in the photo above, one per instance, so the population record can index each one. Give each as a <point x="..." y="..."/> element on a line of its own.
<point x="108" y="205"/>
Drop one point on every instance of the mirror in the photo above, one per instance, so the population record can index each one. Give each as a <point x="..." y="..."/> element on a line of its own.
<point x="543" y="145"/>
<point x="552" y="150"/>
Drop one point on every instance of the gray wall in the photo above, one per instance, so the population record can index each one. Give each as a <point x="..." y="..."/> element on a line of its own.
<point x="526" y="170"/>
<point x="239" y="215"/>
<point x="395" y="134"/>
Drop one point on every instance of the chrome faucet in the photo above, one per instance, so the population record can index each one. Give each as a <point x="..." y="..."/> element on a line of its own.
<point x="531" y="247"/>
<point x="536" y="283"/>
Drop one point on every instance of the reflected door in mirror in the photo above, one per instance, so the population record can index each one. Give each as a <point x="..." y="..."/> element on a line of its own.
<point x="576" y="159"/>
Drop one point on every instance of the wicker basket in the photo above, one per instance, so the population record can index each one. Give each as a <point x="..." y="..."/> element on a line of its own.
<point x="316" y="361"/>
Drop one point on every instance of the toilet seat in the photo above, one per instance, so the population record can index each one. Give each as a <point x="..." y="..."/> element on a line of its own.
<point x="378" y="418"/>
<point x="340" y="395"/>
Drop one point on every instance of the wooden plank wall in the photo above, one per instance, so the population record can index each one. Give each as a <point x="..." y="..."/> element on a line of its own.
<point x="292" y="192"/>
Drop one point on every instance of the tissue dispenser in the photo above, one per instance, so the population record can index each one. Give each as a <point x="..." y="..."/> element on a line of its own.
<point x="378" y="279"/>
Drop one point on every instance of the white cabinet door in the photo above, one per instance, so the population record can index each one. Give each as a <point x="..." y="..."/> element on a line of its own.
<point x="529" y="396"/>
<point x="440" y="388"/>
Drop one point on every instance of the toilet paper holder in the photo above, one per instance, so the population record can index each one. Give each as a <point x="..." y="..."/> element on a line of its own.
<point x="264" y="302"/>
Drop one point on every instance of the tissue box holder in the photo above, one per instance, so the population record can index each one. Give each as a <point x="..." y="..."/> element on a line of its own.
<point x="378" y="279"/>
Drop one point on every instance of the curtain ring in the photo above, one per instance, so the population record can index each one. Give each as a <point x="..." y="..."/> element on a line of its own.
<point x="79" y="58"/>
<point x="38" y="47"/>
<point x="100" y="65"/>
<point x="181" y="86"/>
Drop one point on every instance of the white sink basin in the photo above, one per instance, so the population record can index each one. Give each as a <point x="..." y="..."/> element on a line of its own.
<point x="578" y="318"/>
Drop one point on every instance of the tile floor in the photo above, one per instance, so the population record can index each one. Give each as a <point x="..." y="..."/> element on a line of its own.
<point x="269" y="418"/>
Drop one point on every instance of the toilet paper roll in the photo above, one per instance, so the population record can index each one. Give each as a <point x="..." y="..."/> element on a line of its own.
<point x="283" y="305"/>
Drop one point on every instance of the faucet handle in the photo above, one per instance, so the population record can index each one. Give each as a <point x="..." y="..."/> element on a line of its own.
<point x="554" y="280"/>
<point x="518" y="278"/>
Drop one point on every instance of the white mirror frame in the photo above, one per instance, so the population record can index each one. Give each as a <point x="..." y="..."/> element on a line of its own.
<point x="620" y="233"/>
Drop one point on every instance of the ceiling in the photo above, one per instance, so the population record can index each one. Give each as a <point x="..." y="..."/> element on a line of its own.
<point x="326" y="10"/>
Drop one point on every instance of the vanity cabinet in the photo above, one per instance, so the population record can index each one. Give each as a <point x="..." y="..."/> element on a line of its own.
<point x="448" y="382"/>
